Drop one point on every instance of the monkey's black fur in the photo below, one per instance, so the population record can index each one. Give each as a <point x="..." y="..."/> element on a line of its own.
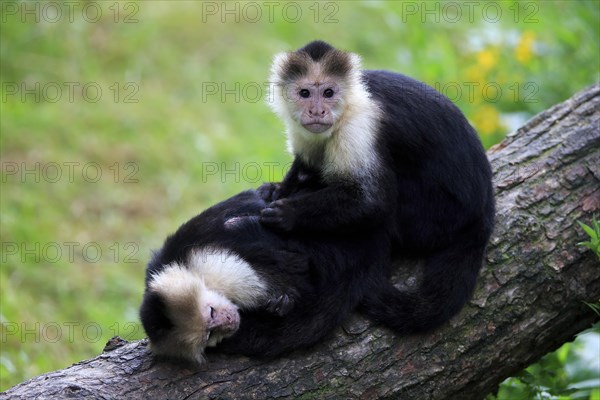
<point x="431" y="198"/>
<point x="322" y="274"/>
<point x="432" y="195"/>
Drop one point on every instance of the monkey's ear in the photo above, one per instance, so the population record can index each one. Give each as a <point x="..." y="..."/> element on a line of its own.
<point x="355" y="61"/>
<point x="278" y="67"/>
<point x="276" y="99"/>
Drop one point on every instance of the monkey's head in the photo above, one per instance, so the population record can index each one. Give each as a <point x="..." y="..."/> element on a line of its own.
<point x="313" y="87"/>
<point x="189" y="315"/>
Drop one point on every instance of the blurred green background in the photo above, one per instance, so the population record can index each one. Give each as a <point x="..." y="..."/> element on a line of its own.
<point x="120" y="120"/>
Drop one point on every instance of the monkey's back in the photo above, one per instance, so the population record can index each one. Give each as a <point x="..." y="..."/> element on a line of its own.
<point x="442" y="174"/>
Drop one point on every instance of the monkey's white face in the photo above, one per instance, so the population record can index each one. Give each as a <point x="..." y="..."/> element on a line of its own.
<point x="314" y="104"/>
<point x="201" y="317"/>
<point x="221" y="317"/>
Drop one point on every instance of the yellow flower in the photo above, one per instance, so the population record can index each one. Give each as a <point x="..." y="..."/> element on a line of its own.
<point x="487" y="120"/>
<point x="524" y="49"/>
<point x="475" y="74"/>
<point x="487" y="58"/>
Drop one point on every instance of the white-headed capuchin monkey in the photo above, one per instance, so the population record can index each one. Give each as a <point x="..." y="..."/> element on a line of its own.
<point x="223" y="278"/>
<point x="380" y="149"/>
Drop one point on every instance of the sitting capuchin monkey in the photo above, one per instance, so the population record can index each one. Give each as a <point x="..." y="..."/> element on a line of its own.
<point x="380" y="149"/>
<point x="224" y="279"/>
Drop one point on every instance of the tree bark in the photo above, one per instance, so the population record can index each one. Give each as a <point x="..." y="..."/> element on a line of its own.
<point x="530" y="299"/>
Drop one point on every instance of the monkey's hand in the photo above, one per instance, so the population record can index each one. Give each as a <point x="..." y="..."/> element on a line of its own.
<point x="281" y="305"/>
<point x="279" y="215"/>
<point x="269" y="191"/>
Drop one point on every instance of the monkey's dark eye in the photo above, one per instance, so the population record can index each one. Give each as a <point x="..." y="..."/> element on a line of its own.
<point x="212" y="312"/>
<point x="304" y="93"/>
<point x="328" y="93"/>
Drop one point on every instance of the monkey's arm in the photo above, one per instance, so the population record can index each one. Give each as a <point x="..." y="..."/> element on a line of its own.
<point x="331" y="208"/>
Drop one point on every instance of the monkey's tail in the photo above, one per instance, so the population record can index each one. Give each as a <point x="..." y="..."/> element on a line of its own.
<point x="448" y="280"/>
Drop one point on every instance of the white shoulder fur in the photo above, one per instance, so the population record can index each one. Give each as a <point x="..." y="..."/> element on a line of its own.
<point x="227" y="273"/>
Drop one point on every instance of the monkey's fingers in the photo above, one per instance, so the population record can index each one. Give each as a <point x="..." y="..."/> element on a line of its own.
<point x="268" y="191"/>
<point x="281" y="305"/>
<point x="272" y="217"/>
<point x="236" y="222"/>
<point x="278" y="215"/>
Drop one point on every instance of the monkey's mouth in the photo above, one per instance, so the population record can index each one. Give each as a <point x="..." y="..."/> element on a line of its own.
<point x="317" y="127"/>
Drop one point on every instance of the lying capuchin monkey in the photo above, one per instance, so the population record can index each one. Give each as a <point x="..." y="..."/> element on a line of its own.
<point x="223" y="278"/>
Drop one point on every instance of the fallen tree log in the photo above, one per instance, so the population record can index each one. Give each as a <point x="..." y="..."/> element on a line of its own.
<point x="530" y="299"/>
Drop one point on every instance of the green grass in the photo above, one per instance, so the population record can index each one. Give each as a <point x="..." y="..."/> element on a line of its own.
<point x="593" y="232"/>
<point x="157" y="140"/>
